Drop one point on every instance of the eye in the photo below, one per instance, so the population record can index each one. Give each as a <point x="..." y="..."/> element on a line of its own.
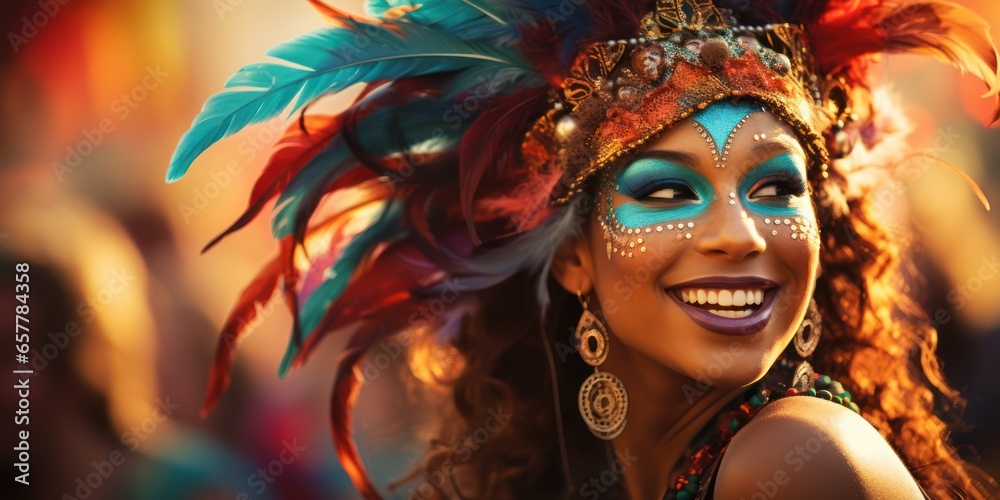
<point x="670" y="190"/>
<point x="778" y="187"/>
<point x="769" y="190"/>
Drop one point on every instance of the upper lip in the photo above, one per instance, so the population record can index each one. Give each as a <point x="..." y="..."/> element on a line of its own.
<point x="726" y="282"/>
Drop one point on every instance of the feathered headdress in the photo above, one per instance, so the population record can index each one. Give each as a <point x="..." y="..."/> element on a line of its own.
<point x="431" y="179"/>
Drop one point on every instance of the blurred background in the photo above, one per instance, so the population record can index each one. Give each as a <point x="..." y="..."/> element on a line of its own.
<point x="94" y="95"/>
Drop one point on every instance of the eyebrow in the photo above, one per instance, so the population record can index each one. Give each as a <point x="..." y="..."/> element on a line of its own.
<point x="781" y="144"/>
<point x="678" y="157"/>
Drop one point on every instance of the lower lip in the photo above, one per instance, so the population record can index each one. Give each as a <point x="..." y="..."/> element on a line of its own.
<point x="748" y="325"/>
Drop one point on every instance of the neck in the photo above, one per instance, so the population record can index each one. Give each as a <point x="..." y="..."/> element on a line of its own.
<point x="666" y="411"/>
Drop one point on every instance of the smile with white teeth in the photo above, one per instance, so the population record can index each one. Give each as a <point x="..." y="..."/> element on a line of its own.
<point x="728" y="298"/>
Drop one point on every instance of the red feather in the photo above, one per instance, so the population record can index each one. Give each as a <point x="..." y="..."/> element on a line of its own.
<point x="333" y="234"/>
<point x="494" y="139"/>
<point x="853" y="29"/>
<point x="300" y="143"/>
<point x="347" y="387"/>
<point x="255" y="296"/>
<point x="614" y="19"/>
<point x="342" y="19"/>
<point x="386" y="284"/>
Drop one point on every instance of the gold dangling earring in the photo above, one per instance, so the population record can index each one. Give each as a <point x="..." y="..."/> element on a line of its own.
<point x="806" y="340"/>
<point x="603" y="399"/>
<point x="809" y="332"/>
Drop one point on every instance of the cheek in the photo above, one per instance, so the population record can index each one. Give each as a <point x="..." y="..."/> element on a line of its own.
<point x="627" y="265"/>
<point x="795" y="229"/>
<point x="632" y="231"/>
<point x="790" y="230"/>
<point x="793" y="240"/>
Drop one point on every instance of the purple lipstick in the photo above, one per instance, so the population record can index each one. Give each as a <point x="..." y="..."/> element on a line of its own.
<point x="727" y="305"/>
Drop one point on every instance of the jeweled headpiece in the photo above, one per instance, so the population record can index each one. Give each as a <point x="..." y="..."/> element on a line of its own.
<point x="688" y="54"/>
<point x="479" y="119"/>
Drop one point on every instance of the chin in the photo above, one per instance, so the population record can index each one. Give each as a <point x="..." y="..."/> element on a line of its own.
<point x="740" y="379"/>
<point x="737" y="366"/>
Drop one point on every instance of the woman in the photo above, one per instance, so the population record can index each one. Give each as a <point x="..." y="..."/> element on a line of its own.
<point x="671" y="189"/>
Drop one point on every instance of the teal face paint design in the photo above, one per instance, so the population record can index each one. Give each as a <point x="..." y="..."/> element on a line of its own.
<point x="649" y="214"/>
<point x="668" y="196"/>
<point x="721" y="118"/>
<point x="718" y="125"/>
<point x="648" y="176"/>
<point x="787" y="176"/>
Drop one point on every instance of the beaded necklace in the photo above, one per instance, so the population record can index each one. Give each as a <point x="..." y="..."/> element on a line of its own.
<point x="696" y="472"/>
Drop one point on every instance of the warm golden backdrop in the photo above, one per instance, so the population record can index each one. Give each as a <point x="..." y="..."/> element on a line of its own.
<point x="95" y="94"/>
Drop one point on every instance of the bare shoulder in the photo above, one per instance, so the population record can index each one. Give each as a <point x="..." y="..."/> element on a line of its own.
<point x="805" y="447"/>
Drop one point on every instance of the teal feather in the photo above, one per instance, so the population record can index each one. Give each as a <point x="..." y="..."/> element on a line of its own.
<point x="336" y="156"/>
<point x="330" y="60"/>
<point x="466" y="19"/>
<point x="386" y="227"/>
<point x="485" y="82"/>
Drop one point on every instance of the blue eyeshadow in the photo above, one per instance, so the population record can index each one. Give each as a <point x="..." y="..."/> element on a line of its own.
<point x="648" y="174"/>
<point x="783" y="164"/>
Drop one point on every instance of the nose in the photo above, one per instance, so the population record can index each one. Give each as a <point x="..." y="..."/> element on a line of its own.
<point x="730" y="233"/>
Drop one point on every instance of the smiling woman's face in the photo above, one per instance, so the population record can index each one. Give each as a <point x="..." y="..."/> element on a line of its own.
<point x="706" y="244"/>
